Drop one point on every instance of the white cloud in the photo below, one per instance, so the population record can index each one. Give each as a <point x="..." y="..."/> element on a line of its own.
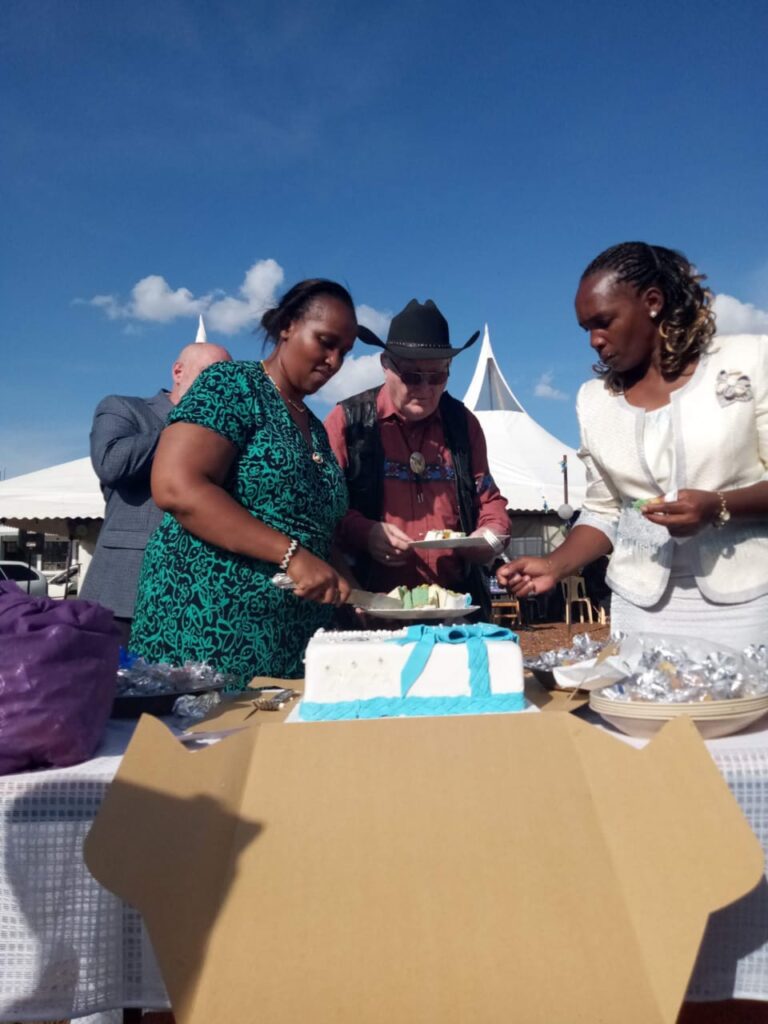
<point x="374" y="320"/>
<point x="258" y="291"/>
<point x="108" y="303"/>
<point x="735" y="317"/>
<point x="153" y="300"/>
<point x="544" y="388"/>
<point x="355" y="375"/>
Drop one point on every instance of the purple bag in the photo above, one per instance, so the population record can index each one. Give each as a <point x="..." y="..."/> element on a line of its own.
<point x="58" y="674"/>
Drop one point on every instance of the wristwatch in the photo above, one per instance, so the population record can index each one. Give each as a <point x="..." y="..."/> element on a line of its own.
<point x="723" y="515"/>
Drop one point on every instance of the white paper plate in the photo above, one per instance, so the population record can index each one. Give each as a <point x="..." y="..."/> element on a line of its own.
<point x="465" y="543"/>
<point x="438" y="614"/>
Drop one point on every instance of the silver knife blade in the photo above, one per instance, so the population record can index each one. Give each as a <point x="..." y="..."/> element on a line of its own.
<point x="359" y="598"/>
<point x="373" y="602"/>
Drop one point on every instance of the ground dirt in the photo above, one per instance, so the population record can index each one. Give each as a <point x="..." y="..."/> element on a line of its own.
<point x="548" y="636"/>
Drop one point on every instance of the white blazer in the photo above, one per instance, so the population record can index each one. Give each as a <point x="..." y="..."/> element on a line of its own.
<point x="720" y="429"/>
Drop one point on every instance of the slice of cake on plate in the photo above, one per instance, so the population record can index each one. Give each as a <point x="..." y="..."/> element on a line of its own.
<point x="421" y="670"/>
<point x="430" y="595"/>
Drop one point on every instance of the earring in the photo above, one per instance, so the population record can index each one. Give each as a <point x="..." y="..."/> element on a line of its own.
<point x="654" y="314"/>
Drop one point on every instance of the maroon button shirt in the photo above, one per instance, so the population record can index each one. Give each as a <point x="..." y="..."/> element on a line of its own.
<point x="416" y="504"/>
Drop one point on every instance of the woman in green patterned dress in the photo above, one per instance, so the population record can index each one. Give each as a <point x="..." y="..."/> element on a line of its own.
<point x="250" y="486"/>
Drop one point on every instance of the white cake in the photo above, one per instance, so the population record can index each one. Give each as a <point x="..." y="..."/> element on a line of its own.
<point x="361" y="674"/>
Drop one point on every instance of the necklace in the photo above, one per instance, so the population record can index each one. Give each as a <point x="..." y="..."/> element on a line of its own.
<point x="298" y="406"/>
<point x="317" y="457"/>
<point x="416" y="461"/>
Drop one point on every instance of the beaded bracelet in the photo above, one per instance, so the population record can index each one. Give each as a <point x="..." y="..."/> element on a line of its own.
<point x="288" y="555"/>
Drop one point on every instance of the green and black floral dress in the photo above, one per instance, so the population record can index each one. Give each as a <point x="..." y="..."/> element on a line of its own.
<point x="198" y="602"/>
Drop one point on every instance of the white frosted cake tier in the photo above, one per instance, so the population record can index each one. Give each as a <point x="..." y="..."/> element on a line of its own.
<point x="422" y="670"/>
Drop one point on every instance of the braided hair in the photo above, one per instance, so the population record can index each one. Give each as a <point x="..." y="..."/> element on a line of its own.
<point x="296" y="303"/>
<point x="688" y="320"/>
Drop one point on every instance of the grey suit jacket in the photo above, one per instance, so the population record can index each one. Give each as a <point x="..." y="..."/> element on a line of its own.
<point x="124" y="436"/>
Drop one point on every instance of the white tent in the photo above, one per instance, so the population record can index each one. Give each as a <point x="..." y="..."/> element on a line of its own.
<point x="525" y="459"/>
<point x="52" y="499"/>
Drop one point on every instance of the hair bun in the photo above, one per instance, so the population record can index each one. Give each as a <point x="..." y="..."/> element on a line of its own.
<point x="269" y="322"/>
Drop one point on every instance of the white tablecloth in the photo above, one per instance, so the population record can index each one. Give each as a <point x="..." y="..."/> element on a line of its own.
<point x="733" y="959"/>
<point x="68" y="948"/>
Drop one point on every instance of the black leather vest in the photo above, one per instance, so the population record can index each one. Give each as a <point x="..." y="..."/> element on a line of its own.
<point x="365" y="474"/>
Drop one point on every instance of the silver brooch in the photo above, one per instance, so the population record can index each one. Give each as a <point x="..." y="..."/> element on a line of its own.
<point x="733" y="386"/>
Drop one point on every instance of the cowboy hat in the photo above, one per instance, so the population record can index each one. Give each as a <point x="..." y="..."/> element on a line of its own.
<point x="417" y="332"/>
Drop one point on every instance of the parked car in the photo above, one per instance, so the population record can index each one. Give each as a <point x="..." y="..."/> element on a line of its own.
<point x="30" y="580"/>
<point x="64" y="583"/>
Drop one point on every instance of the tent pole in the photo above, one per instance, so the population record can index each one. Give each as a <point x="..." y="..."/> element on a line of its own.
<point x="565" y="479"/>
<point x="69" y="559"/>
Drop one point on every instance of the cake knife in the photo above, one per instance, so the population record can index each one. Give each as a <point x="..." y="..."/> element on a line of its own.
<point x="359" y="598"/>
<point x="373" y="602"/>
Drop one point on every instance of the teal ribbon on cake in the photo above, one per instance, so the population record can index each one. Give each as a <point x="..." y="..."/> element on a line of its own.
<point x="475" y="637"/>
<point x="424" y="638"/>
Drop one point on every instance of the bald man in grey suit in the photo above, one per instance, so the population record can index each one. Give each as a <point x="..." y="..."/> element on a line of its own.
<point x="124" y="437"/>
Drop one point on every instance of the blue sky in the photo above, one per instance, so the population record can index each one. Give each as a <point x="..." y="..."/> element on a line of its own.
<point x="479" y="154"/>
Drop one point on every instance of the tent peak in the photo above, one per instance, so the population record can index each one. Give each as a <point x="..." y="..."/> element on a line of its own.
<point x="201" y="337"/>
<point x="488" y="391"/>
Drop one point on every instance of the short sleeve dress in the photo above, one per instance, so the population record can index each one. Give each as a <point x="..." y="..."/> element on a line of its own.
<point x="197" y="602"/>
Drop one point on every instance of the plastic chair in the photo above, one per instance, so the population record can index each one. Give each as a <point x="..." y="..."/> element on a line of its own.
<point x="575" y="592"/>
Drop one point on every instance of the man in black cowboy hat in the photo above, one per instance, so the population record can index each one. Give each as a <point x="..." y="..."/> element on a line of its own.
<point x="415" y="460"/>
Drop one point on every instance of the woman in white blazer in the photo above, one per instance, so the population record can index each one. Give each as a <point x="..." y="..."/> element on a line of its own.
<point x="674" y="437"/>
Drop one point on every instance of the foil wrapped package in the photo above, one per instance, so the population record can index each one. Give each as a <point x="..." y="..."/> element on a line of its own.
<point x="194" y="707"/>
<point x="758" y="655"/>
<point x="677" y="670"/>
<point x="138" y="678"/>
<point x="582" y="648"/>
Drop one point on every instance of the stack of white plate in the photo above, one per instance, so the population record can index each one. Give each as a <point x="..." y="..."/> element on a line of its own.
<point x="712" y="718"/>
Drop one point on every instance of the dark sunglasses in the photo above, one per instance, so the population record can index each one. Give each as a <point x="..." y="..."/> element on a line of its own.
<point x="413" y="379"/>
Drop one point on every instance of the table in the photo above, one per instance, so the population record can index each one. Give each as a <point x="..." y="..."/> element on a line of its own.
<point x="733" y="958"/>
<point x="67" y="946"/>
<point x="70" y="948"/>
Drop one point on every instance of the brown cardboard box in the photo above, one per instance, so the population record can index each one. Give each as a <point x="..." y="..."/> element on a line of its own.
<point x="239" y="712"/>
<point x="499" y="868"/>
<point x="553" y="700"/>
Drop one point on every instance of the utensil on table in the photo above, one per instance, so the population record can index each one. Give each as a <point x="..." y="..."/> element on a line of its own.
<point x="275" y="700"/>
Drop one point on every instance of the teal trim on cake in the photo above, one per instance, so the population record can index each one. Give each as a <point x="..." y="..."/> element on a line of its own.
<point x="475" y="637"/>
<point x="411" y="707"/>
